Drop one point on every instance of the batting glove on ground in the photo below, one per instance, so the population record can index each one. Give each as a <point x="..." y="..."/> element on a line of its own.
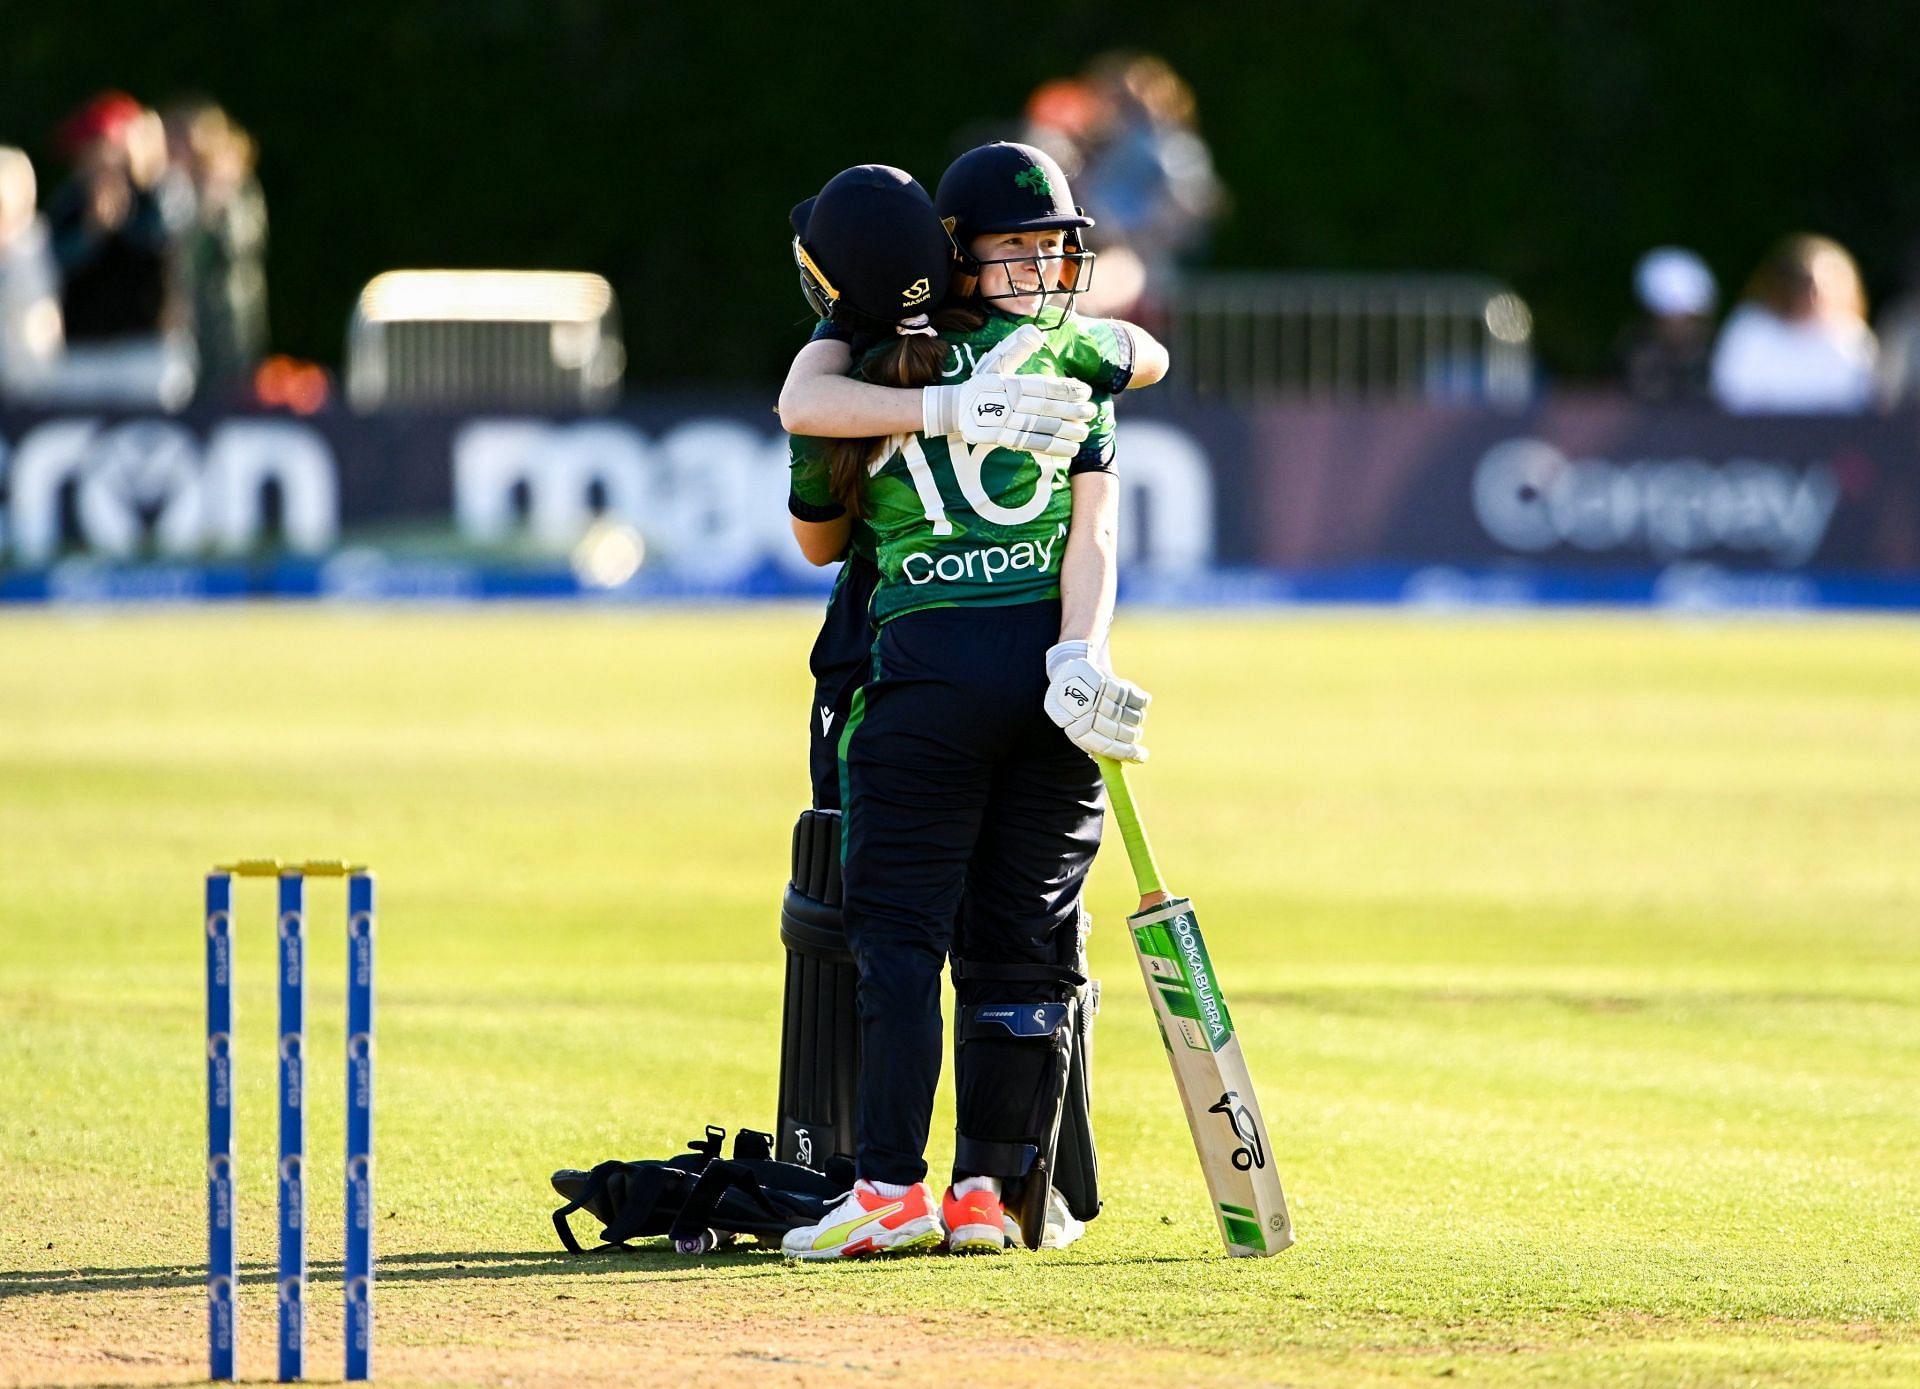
<point x="1034" y="414"/>
<point x="1103" y="714"/>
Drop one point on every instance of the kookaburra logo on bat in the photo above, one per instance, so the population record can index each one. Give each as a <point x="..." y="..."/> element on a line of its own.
<point x="1249" y="1154"/>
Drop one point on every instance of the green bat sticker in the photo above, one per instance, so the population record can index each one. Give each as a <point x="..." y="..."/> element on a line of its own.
<point x="1183" y="973"/>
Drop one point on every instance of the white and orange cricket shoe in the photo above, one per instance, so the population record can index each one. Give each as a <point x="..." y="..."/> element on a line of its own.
<point x="867" y="1222"/>
<point x="976" y="1221"/>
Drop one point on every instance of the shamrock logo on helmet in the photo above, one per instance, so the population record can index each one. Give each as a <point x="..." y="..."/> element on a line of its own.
<point x="1034" y="179"/>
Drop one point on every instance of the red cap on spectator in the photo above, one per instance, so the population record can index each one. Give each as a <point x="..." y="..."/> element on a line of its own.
<point x="105" y="117"/>
<point x="1065" y="104"/>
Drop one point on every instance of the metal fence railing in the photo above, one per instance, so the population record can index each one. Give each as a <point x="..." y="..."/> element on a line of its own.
<point x="1251" y="336"/>
<point x="484" y="337"/>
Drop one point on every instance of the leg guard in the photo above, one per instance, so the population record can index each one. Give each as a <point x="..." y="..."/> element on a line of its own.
<point x="1013" y="1082"/>
<point x="1076" y="1167"/>
<point x="820" y="1032"/>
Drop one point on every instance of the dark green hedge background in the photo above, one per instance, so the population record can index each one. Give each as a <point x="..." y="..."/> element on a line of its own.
<point x="1545" y="141"/>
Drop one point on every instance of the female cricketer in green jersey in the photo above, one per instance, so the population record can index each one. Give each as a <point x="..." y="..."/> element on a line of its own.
<point x="870" y="249"/>
<point x="964" y="755"/>
<point x="854" y="280"/>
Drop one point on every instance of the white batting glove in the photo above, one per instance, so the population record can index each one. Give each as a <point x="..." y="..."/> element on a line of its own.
<point x="1033" y="414"/>
<point x="1103" y="714"/>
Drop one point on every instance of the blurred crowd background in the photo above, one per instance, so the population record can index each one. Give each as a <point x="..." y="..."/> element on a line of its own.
<point x="1693" y="207"/>
<point x="145" y="277"/>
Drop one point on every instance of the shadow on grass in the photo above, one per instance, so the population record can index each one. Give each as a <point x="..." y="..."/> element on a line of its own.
<point x="729" y="1266"/>
<point x="388" y="1268"/>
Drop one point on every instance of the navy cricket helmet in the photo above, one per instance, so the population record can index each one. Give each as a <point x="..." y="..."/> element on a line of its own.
<point x="870" y="249"/>
<point x="1010" y="187"/>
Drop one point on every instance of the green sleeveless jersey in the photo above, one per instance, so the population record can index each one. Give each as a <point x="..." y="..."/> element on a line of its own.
<point x="951" y="523"/>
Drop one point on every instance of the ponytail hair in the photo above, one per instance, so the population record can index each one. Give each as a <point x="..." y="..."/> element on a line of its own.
<point x="911" y="359"/>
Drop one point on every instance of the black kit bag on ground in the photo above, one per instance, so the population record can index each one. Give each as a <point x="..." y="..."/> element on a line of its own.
<point x="698" y="1200"/>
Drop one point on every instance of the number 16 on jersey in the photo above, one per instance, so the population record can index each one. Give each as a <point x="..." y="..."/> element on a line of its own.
<point x="1204" y="1049"/>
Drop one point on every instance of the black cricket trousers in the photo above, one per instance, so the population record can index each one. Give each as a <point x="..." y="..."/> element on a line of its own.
<point x="957" y="785"/>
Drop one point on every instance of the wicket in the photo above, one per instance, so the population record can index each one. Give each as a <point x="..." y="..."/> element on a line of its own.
<point x="222" y="1257"/>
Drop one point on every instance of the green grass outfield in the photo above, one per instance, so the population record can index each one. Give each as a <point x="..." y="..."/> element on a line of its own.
<point x="1577" y="960"/>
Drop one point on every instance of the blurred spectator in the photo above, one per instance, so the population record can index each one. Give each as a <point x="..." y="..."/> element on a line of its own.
<point x="30" y="334"/>
<point x="1066" y="117"/>
<point x="108" y="233"/>
<point x="1799" y="342"/>
<point x="1147" y="177"/>
<point x="222" y="260"/>
<point x="1665" y="354"/>
<point x="1897" y="376"/>
<point x="114" y="247"/>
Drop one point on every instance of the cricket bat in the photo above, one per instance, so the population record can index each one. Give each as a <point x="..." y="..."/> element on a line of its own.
<point x="1203" y="1048"/>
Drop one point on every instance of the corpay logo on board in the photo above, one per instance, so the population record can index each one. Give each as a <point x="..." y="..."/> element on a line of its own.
<point x="1529" y="496"/>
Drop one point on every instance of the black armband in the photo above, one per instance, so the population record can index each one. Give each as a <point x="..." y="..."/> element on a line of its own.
<point x="813" y="511"/>
<point x="1095" y="456"/>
